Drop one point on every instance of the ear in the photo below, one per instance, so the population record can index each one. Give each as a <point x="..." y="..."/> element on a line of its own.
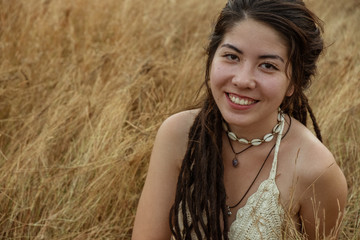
<point x="290" y="90"/>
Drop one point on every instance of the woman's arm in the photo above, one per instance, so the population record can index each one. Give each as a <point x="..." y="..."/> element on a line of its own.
<point x="158" y="195"/>
<point x="322" y="205"/>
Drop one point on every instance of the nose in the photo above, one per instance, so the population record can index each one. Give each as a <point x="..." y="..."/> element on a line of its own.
<point x="244" y="77"/>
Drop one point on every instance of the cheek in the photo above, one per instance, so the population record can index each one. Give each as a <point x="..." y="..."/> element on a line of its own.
<point x="217" y="75"/>
<point x="213" y="77"/>
<point x="275" y="88"/>
<point x="215" y="82"/>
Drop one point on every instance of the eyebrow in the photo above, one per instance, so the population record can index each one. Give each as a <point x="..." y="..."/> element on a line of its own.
<point x="232" y="47"/>
<point x="272" y="56"/>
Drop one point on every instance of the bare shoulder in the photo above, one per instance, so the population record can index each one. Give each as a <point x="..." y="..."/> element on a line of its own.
<point x="180" y="123"/>
<point x="173" y="132"/>
<point x="316" y="162"/>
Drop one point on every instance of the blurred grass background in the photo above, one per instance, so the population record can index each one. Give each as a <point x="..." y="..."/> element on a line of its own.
<point x="85" y="84"/>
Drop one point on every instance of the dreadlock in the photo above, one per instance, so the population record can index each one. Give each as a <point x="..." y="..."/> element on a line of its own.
<point x="200" y="190"/>
<point x="199" y="211"/>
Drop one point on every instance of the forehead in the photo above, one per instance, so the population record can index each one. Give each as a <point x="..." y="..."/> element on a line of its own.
<point x="256" y="36"/>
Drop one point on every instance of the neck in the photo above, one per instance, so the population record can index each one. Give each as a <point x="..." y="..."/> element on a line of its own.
<point x="256" y="129"/>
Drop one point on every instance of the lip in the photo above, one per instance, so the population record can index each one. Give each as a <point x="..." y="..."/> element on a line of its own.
<point x="238" y="106"/>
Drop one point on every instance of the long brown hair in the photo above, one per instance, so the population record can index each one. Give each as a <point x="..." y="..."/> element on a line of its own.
<point x="200" y="199"/>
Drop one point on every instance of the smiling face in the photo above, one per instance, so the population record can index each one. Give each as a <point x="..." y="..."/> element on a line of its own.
<point x="248" y="76"/>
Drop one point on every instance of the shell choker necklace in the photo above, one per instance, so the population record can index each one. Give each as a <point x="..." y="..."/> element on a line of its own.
<point x="256" y="142"/>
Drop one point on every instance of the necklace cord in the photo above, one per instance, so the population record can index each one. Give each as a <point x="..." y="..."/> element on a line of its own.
<point x="229" y="207"/>
<point x="232" y="148"/>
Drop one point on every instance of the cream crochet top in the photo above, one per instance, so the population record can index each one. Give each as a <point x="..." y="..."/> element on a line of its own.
<point x="262" y="216"/>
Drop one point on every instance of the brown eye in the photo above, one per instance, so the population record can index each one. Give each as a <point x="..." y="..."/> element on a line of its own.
<point x="231" y="57"/>
<point x="268" y="66"/>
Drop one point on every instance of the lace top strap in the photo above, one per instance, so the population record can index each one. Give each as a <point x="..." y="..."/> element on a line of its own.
<point x="277" y="146"/>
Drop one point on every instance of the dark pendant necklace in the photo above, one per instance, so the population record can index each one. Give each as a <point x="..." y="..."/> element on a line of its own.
<point x="235" y="163"/>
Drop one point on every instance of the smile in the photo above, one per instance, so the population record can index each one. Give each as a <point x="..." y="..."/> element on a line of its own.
<point x="241" y="101"/>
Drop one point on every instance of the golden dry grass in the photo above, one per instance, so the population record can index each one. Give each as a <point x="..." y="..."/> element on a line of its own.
<point x="85" y="84"/>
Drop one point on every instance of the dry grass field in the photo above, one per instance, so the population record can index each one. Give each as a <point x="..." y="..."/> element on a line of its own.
<point x="85" y="84"/>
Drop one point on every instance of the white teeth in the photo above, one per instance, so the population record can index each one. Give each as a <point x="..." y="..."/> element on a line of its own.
<point x="241" y="101"/>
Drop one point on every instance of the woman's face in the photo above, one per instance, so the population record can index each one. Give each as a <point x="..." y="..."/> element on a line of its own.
<point x="248" y="75"/>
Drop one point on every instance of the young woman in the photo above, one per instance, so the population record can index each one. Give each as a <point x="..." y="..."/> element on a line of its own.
<point x="245" y="166"/>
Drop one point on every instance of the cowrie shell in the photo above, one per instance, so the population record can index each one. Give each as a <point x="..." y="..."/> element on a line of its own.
<point x="268" y="137"/>
<point x="232" y="136"/>
<point x="256" y="142"/>
<point x="277" y="128"/>
<point x="243" y="140"/>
